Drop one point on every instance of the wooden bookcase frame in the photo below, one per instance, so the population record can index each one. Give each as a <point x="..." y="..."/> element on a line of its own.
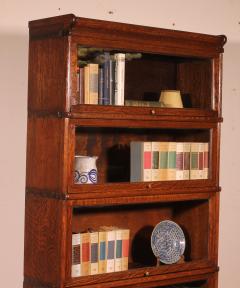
<point x="53" y="118"/>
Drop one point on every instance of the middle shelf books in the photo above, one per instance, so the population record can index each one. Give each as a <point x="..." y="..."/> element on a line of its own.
<point x="97" y="252"/>
<point x="159" y="161"/>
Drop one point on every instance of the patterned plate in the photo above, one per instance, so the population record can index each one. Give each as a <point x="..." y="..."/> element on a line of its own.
<point x="168" y="242"/>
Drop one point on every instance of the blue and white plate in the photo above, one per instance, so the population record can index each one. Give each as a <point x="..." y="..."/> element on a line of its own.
<point x="168" y="242"/>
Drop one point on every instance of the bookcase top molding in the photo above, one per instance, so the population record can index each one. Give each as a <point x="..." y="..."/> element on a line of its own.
<point x="80" y="28"/>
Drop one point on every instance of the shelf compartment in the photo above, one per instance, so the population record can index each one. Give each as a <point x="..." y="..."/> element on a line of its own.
<point x="198" y="271"/>
<point x="112" y="147"/>
<point x="196" y="218"/>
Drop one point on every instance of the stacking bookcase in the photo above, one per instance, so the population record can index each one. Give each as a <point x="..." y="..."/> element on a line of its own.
<point x="73" y="111"/>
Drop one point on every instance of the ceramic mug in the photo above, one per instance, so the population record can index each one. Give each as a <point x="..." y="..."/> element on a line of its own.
<point x="85" y="170"/>
<point x="171" y="99"/>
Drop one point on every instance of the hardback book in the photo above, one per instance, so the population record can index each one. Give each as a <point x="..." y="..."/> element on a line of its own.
<point x="171" y="173"/>
<point x="85" y="253"/>
<point x="179" y="160"/>
<point x="93" y="83"/>
<point x="201" y="160"/>
<point x="86" y="85"/>
<point x="100" y="86"/>
<point x="102" y="251"/>
<point x="206" y="160"/>
<point x="186" y="160"/>
<point x="106" y="80"/>
<point x="118" y="250"/>
<point x="81" y="85"/>
<point x="163" y="160"/>
<point x="142" y="103"/>
<point x="93" y="253"/>
<point x="119" y="78"/>
<point x="194" y="161"/>
<point x="125" y="248"/>
<point x="155" y="161"/>
<point x="140" y="161"/>
<point x="76" y="255"/>
<point x="110" y="248"/>
<point x="112" y="64"/>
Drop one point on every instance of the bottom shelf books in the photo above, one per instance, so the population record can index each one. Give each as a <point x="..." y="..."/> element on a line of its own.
<point x="103" y="251"/>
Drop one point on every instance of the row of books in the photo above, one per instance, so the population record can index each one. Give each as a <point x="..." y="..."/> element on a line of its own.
<point x="102" y="83"/>
<point x="157" y="161"/>
<point x="103" y="251"/>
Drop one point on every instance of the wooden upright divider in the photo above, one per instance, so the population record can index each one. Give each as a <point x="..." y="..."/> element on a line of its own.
<point x="60" y="126"/>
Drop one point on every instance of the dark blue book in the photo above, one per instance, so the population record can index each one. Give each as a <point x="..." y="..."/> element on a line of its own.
<point x="100" y="86"/>
<point x="112" y="81"/>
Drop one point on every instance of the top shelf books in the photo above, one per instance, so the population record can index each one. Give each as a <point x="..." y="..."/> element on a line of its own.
<point x="114" y="77"/>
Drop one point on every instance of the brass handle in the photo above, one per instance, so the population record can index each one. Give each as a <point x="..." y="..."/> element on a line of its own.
<point x="149" y="185"/>
<point x="146" y="273"/>
<point x="153" y="112"/>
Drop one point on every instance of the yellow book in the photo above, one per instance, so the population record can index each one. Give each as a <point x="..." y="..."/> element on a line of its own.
<point x="163" y="160"/>
<point x="93" y="83"/>
<point x="125" y="248"/>
<point x="102" y="251"/>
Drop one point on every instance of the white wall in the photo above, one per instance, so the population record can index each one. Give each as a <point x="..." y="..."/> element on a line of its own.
<point x="213" y="17"/>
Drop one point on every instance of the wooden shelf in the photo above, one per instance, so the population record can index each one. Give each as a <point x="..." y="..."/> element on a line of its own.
<point x="152" y="191"/>
<point x="188" y="271"/>
<point x="122" y="116"/>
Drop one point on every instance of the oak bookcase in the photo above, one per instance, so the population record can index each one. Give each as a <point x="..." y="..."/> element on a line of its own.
<point x="59" y="127"/>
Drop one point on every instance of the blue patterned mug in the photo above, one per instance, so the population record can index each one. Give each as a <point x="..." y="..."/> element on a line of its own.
<point x="85" y="170"/>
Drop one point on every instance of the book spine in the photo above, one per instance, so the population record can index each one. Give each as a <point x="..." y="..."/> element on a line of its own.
<point x="206" y="160"/>
<point x="119" y="78"/>
<point x="110" y="266"/>
<point x="125" y="248"/>
<point x="112" y="82"/>
<point x="163" y="160"/>
<point x="171" y="173"/>
<point x="201" y="160"/>
<point x="139" y="103"/>
<point x="76" y="255"/>
<point x="106" y="82"/>
<point x="81" y="85"/>
<point x="186" y="160"/>
<point x="118" y="250"/>
<point x="94" y="253"/>
<point x="85" y="254"/>
<point x="100" y="86"/>
<point x="147" y="161"/>
<point x="93" y="83"/>
<point x="155" y="162"/>
<point x="179" y="160"/>
<point x="194" y="161"/>
<point x="86" y="84"/>
<point x="102" y="252"/>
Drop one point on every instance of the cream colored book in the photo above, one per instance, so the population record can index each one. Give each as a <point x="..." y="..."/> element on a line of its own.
<point x="155" y="161"/>
<point x="118" y="250"/>
<point x="102" y="251"/>
<point x="179" y="160"/>
<point x="186" y="160"/>
<point x="201" y="160"/>
<point x="194" y="161"/>
<point x="163" y="160"/>
<point x="110" y="248"/>
<point x="76" y="251"/>
<point x="125" y="248"/>
<point x="93" y="83"/>
<point x="171" y="173"/>
<point x="85" y="254"/>
<point x="93" y="253"/>
<point x="86" y="85"/>
<point x="206" y="161"/>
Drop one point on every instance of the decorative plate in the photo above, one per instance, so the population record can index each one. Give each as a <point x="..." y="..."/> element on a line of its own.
<point x="168" y="242"/>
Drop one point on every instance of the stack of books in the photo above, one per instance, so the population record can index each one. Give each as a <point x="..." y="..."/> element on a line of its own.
<point x="102" y="83"/>
<point x="102" y="251"/>
<point x="158" y="161"/>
